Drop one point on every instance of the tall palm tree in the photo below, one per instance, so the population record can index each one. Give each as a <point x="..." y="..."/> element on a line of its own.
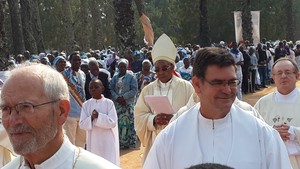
<point x="26" y="12"/>
<point x="289" y="20"/>
<point x="16" y="26"/>
<point x="69" y="26"/>
<point x="124" y="23"/>
<point x="204" y="28"/>
<point x="246" y="20"/>
<point x="3" y="41"/>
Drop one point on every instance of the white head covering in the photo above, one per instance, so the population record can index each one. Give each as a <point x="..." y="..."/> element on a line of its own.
<point x="164" y="49"/>
<point x="123" y="60"/>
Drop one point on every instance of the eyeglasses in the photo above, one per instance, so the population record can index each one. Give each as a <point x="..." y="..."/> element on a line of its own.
<point x="286" y="73"/>
<point x="162" y="69"/>
<point x="223" y="83"/>
<point x="24" y="108"/>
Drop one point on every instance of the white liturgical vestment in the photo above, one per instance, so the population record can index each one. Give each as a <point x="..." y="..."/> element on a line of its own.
<point x="239" y="140"/>
<point x="102" y="136"/>
<point x="67" y="157"/>
<point x="278" y="109"/>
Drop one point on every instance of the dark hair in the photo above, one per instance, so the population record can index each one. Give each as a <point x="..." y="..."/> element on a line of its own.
<point x="209" y="166"/>
<point x="288" y="59"/>
<point x="73" y="54"/>
<point x="211" y="56"/>
<point x="97" y="81"/>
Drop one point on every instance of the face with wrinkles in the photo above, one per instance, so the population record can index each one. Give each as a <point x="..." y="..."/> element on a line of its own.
<point x="28" y="131"/>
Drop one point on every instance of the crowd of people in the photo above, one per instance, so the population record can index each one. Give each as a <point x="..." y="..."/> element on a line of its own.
<point x="54" y="103"/>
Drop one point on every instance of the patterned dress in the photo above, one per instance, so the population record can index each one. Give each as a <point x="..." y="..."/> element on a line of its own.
<point x="127" y="87"/>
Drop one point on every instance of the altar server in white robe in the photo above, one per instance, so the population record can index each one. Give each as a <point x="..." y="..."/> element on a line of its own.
<point x="217" y="131"/>
<point x="149" y="123"/>
<point x="35" y="105"/>
<point x="281" y="108"/>
<point x="99" y="118"/>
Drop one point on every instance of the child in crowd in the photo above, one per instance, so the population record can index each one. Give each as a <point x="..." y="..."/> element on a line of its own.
<point x="99" y="119"/>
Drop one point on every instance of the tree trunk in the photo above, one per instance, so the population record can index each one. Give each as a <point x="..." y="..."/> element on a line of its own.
<point x="26" y="13"/>
<point x="140" y="7"/>
<point x="37" y="26"/>
<point x="124" y="23"/>
<point x="289" y="20"/>
<point x="204" y="29"/>
<point x="69" y="26"/>
<point x="84" y="17"/>
<point x="16" y="26"/>
<point x="246" y="20"/>
<point x="3" y="40"/>
<point x="97" y="25"/>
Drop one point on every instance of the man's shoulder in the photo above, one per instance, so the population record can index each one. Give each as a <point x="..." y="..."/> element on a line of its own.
<point x="90" y="160"/>
<point x="265" y="98"/>
<point x="13" y="164"/>
<point x="108" y="101"/>
<point x="102" y="74"/>
<point x="185" y="120"/>
<point x="151" y="85"/>
<point x="181" y="81"/>
<point x="246" y="119"/>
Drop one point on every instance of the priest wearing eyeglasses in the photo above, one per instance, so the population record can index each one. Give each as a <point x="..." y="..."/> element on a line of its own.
<point x="280" y="108"/>
<point x="35" y="105"/>
<point x="149" y="123"/>
<point x="216" y="130"/>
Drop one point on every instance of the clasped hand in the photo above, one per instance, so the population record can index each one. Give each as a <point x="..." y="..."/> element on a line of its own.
<point x="94" y="114"/>
<point x="162" y="119"/>
<point x="283" y="130"/>
<point x="121" y="100"/>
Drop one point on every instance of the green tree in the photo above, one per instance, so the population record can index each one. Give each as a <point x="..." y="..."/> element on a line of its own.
<point x="289" y="20"/>
<point x="98" y="34"/>
<point x="3" y="40"/>
<point x="204" y="28"/>
<point x="246" y="20"/>
<point x="124" y="23"/>
<point x="69" y="26"/>
<point x="37" y="26"/>
<point x="26" y="13"/>
<point x="16" y="25"/>
<point x="84" y="25"/>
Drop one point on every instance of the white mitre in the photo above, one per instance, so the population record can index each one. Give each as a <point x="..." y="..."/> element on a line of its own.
<point x="164" y="49"/>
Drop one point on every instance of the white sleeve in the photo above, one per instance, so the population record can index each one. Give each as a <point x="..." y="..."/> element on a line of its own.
<point x="85" y="121"/>
<point x="108" y="119"/>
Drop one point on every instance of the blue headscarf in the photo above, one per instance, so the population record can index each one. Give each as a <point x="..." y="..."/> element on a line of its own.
<point x="56" y="59"/>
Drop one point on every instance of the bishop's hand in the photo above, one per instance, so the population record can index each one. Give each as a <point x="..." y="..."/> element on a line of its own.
<point x="162" y="119"/>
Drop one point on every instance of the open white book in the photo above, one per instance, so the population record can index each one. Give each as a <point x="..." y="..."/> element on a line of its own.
<point x="160" y="104"/>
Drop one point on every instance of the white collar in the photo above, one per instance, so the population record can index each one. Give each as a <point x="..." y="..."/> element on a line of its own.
<point x="163" y="85"/>
<point x="288" y="98"/>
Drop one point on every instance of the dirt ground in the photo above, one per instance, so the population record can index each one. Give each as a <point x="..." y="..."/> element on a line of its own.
<point x="131" y="159"/>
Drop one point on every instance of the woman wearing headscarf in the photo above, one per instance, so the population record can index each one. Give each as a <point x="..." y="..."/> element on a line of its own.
<point x="123" y="87"/>
<point x="145" y="76"/>
<point x="59" y="63"/>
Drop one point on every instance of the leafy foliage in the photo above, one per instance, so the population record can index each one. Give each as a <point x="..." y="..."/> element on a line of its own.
<point x="118" y="21"/>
